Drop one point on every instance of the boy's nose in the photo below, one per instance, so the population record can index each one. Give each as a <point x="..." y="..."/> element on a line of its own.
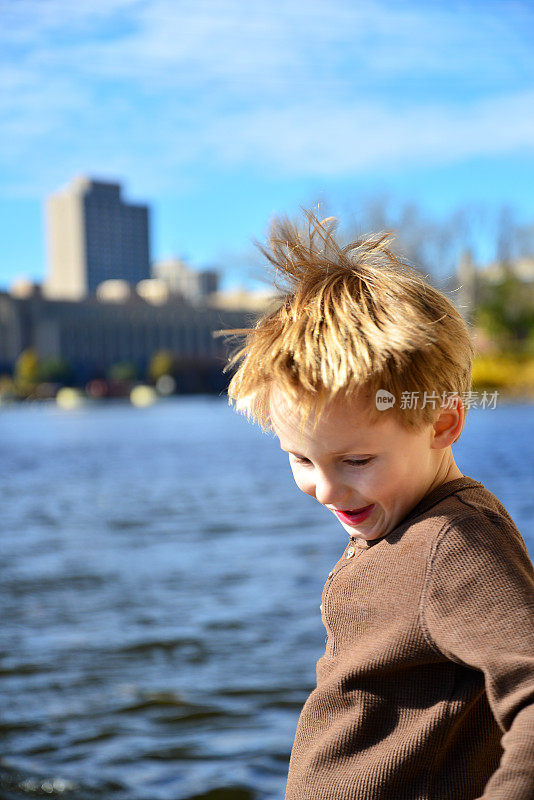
<point x="330" y="491"/>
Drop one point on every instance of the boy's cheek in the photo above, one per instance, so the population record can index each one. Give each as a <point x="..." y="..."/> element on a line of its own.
<point x="304" y="485"/>
<point x="306" y="488"/>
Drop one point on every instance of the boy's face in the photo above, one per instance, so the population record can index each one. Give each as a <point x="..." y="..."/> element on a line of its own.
<point x="349" y="465"/>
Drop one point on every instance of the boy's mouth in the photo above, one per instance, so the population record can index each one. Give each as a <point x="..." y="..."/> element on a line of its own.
<point x="353" y="516"/>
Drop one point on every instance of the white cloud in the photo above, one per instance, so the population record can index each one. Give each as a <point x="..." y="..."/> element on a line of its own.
<point x="158" y="87"/>
<point x="234" y="38"/>
<point x="336" y="140"/>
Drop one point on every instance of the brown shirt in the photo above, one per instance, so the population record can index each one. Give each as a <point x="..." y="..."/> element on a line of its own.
<point x="429" y="660"/>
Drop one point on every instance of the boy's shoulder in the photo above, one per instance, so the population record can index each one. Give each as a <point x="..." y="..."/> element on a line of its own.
<point x="479" y="577"/>
<point x="463" y="521"/>
<point x="461" y="497"/>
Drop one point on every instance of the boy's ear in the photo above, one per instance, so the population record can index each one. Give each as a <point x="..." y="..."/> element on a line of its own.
<point x="448" y="424"/>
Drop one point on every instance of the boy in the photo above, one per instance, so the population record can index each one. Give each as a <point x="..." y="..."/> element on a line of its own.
<point x="429" y="657"/>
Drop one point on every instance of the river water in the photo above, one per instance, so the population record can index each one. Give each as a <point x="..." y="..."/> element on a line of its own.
<point x="161" y="581"/>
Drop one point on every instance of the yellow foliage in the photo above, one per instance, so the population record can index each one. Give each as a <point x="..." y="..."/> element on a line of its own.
<point x="27" y="367"/>
<point x="512" y="374"/>
<point x="161" y="363"/>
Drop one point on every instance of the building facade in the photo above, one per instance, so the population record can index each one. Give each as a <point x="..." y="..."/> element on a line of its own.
<point x="194" y="285"/>
<point x="92" y="335"/>
<point x="93" y="236"/>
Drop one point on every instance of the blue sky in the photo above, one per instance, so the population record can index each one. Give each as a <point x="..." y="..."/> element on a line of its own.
<point x="221" y="113"/>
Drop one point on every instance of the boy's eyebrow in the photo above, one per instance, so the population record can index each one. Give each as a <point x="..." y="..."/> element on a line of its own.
<point x="293" y="452"/>
<point x="353" y="452"/>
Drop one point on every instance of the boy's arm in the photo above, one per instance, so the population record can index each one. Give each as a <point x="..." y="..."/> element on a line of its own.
<point x="478" y="609"/>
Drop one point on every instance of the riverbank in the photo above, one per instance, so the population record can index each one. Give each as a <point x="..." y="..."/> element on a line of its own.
<point x="509" y="374"/>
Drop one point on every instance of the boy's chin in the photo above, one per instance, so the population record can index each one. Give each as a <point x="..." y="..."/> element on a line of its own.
<point x="355" y="533"/>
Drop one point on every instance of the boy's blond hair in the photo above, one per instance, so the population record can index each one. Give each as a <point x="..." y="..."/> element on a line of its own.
<point x="353" y="319"/>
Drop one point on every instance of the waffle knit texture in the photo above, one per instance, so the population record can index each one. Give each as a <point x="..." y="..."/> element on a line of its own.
<point x="426" y="687"/>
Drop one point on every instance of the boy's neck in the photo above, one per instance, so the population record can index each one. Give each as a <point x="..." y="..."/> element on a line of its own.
<point x="448" y="471"/>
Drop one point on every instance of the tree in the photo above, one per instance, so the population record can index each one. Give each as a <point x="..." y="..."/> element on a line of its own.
<point x="55" y="370"/>
<point x="123" y="371"/>
<point x="506" y="312"/>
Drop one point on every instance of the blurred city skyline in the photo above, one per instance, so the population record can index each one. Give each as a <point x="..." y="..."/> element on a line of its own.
<point x="223" y="114"/>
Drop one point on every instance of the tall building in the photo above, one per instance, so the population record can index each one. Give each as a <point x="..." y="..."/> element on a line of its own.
<point x="93" y="236"/>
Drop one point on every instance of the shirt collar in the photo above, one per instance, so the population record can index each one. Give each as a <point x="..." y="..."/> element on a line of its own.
<point x="439" y="493"/>
<point x="428" y="501"/>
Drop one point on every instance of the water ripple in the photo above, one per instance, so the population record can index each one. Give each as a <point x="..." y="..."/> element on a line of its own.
<point x="160" y="593"/>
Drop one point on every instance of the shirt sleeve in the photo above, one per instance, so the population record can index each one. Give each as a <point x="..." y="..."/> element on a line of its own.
<point x="478" y="609"/>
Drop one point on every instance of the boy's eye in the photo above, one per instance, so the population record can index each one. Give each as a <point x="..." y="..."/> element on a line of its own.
<point x="354" y="462"/>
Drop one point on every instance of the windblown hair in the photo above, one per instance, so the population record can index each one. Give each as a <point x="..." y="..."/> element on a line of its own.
<point x="353" y="319"/>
